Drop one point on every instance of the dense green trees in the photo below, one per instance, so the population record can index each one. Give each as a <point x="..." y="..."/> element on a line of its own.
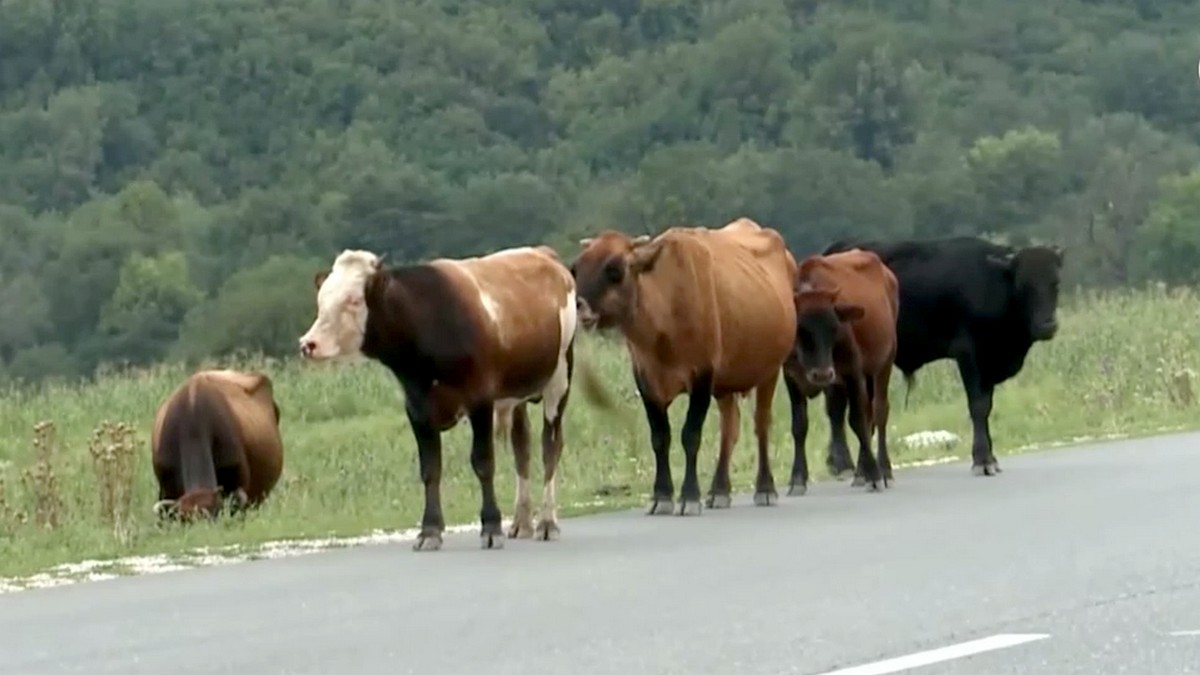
<point x="172" y="173"/>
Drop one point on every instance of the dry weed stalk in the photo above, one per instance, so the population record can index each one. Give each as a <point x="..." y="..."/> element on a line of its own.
<point x="41" y="480"/>
<point x="114" y="451"/>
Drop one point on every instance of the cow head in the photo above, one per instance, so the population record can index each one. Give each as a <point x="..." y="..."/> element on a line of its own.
<point x="606" y="272"/>
<point x="341" y="319"/>
<point x="1034" y="274"/>
<point x="819" y="318"/>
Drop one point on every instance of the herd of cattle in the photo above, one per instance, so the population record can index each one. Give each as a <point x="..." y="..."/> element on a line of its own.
<point x="711" y="312"/>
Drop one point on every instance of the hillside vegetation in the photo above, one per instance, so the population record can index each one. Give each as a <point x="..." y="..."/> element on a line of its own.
<point x="173" y="172"/>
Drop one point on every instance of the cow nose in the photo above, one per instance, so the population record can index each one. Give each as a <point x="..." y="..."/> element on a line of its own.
<point x="307" y="347"/>
<point x="821" y="376"/>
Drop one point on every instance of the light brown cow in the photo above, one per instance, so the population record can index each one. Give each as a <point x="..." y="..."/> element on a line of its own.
<point x="479" y="337"/>
<point x="216" y="435"/>
<point x="846" y="309"/>
<point x="703" y="310"/>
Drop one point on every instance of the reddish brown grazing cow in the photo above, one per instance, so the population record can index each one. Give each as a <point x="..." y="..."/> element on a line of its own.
<point x="479" y="337"/>
<point x="704" y="311"/>
<point x="846" y="308"/>
<point x="216" y="435"/>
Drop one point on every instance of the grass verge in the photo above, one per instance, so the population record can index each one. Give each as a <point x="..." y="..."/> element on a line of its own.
<point x="75" y="478"/>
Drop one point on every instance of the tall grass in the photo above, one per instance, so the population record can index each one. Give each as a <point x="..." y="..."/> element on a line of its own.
<point x="80" y="486"/>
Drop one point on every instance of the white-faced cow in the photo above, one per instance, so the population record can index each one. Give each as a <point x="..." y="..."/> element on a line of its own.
<point x="982" y="304"/>
<point x="703" y="311"/>
<point x="479" y="337"/>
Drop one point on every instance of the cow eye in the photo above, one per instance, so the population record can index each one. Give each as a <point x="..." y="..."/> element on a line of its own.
<point x="614" y="271"/>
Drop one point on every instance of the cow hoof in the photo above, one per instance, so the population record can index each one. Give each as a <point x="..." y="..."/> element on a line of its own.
<point x="547" y="530"/>
<point x="689" y="507"/>
<point x="490" y="537"/>
<point x="430" y="540"/>
<point x="843" y="474"/>
<point x="660" y="506"/>
<point x="985" y="469"/>
<point x="766" y="498"/>
<point x="858" y="481"/>
<point x="719" y="501"/>
<point x="520" y="530"/>
<point x="797" y="490"/>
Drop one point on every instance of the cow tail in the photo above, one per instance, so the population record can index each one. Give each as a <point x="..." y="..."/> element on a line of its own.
<point x="910" y="379"/>
<point x="210" y="439"/>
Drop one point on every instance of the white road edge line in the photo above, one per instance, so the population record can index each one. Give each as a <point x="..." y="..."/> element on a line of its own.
<point x="958" y="651"/>
<point x="1185" y="633"/>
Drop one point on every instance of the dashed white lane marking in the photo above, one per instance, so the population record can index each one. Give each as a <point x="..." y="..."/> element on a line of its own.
<point x="941" y="654"/>
<point x="1185" y="633"/>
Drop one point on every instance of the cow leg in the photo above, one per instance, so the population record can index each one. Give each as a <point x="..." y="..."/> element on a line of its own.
<point x="429" y="450"/>
<point x="764" y="486"/>
<point x="552" y="445"/>
<point x="868" y="470"/>
<point x="880" y="408"/>
<point x="799" y="404"/>
<point x="837" y="459"/>
<point x="522" y="524"/>
<point x="979" y="405"/>
<point x="699" y="399"/>
<point x="720" y="494"/>
<point x="661" y="502"/>
<point x="483" y="461"/>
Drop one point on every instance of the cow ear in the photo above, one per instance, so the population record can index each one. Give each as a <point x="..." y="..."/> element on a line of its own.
<point x="320" y="279"/>
<point x="644" y="257"/>
<point x="847" y="312"/>
<point x="1059" y="253"/>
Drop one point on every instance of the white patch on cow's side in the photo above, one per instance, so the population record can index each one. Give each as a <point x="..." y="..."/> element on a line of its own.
<point x="341" y="310"/>
<point x="556" y="388"/>
<point x="492" y="308"/>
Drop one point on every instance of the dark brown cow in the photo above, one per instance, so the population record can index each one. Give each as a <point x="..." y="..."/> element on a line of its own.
<point x="478" y="337"/>
<point x="216" y="435"/>
<point x="846" y="308"/>
<point x="704" y="311"/>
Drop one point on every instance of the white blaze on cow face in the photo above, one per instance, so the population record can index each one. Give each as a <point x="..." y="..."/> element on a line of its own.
<point x="341" y="319"/>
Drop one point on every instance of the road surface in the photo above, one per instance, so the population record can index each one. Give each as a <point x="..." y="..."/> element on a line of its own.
<point x="1079" y="560"/>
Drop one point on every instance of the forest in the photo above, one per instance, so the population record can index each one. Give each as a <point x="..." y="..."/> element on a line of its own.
<point x="173" y="173"/>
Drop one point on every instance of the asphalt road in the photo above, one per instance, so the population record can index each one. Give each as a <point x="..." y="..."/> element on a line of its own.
<point x="1092" y="551"/>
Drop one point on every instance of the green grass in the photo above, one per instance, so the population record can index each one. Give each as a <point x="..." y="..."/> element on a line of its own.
<point x="1122" y="363"/>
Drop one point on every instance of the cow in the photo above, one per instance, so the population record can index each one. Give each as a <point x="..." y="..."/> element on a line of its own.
<point x="846" y="308"/>
<point x="982" y="304"/>
<point x="216" y="437"/>
<point x="702" y="310"/>
<point x="475" y="337"/>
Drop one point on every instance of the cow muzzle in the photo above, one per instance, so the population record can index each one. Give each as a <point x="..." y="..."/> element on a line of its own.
<point x="822" y="377"/>
<point x="308" y="348"/>
<point x="1046" y="330"/>
<point x="587" y="318"/>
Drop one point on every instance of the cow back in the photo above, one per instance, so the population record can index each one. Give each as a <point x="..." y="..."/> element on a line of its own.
<point x="726" y="299"/>
<point x="862" y="279"/>
<point x="251" y="402"/>
<point x="522" y="302"/>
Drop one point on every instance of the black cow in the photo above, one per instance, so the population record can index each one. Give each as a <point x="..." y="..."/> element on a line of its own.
<point x="979" y="303"/>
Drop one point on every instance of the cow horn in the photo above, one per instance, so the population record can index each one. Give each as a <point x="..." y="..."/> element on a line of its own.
<point x="641" y="240"/>
<point x="162" y="506"/>
<point x="379" y="259"/>
<point x="586" y="242"/>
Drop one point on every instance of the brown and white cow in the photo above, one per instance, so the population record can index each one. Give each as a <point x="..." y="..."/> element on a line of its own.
<point x="478" y="337"/>
<point x="846" y="309"/>
<point x="706" y="311"/>
<point x="216" y="436"/>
